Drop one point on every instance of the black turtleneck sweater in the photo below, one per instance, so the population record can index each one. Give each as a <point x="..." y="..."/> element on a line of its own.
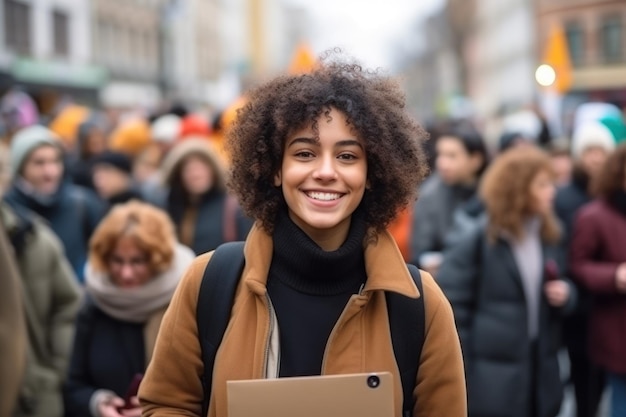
<point x="309" y="288"/>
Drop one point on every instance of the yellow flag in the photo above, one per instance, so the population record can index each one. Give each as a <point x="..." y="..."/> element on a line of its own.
<point x="303" y="60"/>
<point x="557" y="56"/>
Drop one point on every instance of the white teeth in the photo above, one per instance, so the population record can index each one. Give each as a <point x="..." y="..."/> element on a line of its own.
<point x="324" y="196"/>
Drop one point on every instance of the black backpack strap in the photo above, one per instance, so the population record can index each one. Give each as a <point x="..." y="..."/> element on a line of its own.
<point x="407" y="323"/>
<point x="215" y="302"/>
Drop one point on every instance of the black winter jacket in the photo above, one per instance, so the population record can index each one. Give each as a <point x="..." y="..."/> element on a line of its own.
<point x="107" y="354"/>
<point x="508" y="375"/>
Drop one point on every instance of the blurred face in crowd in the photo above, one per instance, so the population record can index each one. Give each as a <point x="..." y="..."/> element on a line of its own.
<point x="323" y="180"/>
<point x="197" y="175"/>
<point x="147" y="164"/>
<point x="562" y="165"/>
<point x="109" y="180"/>
<point x="128" y="264"/>
<point x="542" y="192"/>
<point x="43" y="169"/>
<point x="96" y="143"/>
<point x="592" y="160"/>
<point x="454" y="164"/>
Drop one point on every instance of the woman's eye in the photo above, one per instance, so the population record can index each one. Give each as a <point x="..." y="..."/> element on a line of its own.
<point x="304" y="154"/>
<point x="347" y="156"/>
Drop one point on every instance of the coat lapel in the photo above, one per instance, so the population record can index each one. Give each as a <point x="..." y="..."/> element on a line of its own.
<point x="506" y="252"/>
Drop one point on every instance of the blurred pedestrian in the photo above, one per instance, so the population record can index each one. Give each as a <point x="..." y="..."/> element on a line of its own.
<point x="112" y="177"/>
<point x="504" y="280"/>
<point x="90" y="142"/>
<point x="598" y="262"/>
<point x="204" y="214"/>
<point x="38" y="185"/>
<point x="131" y="136"/>
<point x="323" y="162"/>
<point x="461" y="159"/>
<point x="134" y="266"/>
<point x="44" y="302"/>
<point x="13" y="336"/>
<point x="562" y="165"/>
<point x="591" y="146"/>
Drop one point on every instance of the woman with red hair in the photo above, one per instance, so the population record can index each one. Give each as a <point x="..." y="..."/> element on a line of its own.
<point x="134" y="266"/>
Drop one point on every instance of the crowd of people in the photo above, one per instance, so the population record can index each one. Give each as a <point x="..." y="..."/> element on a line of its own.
<point x="101" y="223"/>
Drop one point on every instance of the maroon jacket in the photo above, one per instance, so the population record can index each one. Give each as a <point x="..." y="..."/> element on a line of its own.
<point x="598" y="247"/>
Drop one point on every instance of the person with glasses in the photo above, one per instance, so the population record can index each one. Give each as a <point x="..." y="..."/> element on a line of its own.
<point x="134" y="265"/>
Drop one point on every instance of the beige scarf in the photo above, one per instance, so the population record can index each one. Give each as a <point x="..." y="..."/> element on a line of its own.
<point x="137" y="305"/>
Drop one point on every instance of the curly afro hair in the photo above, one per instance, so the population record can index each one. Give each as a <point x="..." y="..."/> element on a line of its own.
<point x="374" y="106"/>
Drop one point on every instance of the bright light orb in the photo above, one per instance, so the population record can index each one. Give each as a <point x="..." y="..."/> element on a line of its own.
<point x="545" y="75"/>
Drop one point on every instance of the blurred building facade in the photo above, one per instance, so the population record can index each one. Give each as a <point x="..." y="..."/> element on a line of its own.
<point x="500" y="55"/>
<point x="596" y="39"/>
<point x="192" y="53"/>
<point x="495" y="47"/>
<point x="46" y="48"/>
<point x="433" y="78"/>
<point x="129" y="53"/>
<point x="126" y="41"/>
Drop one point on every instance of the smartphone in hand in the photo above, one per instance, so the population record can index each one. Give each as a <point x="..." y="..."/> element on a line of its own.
<point x="131" y="392"/>
<point x="551" y="270"/>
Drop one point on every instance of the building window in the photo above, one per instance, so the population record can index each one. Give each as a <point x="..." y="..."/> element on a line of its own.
<point x="575" y="43"/>
<point x="17" y="26"/>
<point x="611" y="39"/>
<point x="61" y="33"/>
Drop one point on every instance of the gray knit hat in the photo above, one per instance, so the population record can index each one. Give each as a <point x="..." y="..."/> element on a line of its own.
<point x="27" y="140"/>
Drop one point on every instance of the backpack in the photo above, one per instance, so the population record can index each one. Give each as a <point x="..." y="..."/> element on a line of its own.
<point x="215" y="301"/>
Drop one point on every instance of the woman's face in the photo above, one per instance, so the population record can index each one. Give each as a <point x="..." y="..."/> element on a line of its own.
<point x="323" y="180"/>
<point x="128" y="264"/>
<point x="197" y="176"/>
<point x="454" y="164"/>
<point x="43" y="169"/>
<point x="542" y="192"/>
<point x="593" y="159"/>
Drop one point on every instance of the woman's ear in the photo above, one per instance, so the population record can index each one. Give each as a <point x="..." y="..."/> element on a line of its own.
<point x="278" y="180"/>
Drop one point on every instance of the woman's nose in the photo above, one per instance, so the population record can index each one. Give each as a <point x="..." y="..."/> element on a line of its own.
<point x="326" y="169"/>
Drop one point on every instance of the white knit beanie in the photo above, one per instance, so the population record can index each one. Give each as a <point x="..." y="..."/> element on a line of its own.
<point x="27" y="140"/>
<point x="591" y="134"/>
<point x="166" y="129"/>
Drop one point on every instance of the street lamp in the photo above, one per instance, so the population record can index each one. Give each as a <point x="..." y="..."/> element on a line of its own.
<point x="545" y="75"/>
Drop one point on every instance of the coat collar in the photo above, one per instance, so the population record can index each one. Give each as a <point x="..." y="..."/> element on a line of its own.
<point x="384" y="265"/>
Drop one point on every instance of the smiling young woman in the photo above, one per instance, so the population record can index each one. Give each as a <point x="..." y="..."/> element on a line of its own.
<point x="323" y="162"/>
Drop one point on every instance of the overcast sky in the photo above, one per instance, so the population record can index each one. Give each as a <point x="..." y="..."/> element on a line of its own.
<point x="366" y="29"/>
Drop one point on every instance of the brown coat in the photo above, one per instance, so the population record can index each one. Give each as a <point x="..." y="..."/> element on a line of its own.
<point x="360" y="341"/>
<point x="13" y="340"/>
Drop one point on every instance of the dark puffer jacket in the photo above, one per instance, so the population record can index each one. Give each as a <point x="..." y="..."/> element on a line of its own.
<point x="507" y="374"/>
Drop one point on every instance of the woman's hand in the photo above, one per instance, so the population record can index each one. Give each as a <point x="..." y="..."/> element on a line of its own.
<point x="557" y="292"/>
<point x="135" y="411"/>
<point x="110" y="407"/>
